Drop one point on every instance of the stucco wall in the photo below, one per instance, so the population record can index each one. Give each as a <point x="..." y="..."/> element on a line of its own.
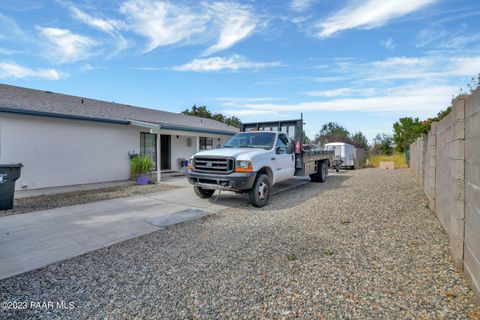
<point x="449" y="171"/>
<point x="180" y="149"/>
<point x="472" y="190"/>
<point x="58" y="152"/>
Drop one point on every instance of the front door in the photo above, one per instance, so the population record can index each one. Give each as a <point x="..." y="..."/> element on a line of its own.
<point x="165" y="152"/>
<point x="284" y="162"/>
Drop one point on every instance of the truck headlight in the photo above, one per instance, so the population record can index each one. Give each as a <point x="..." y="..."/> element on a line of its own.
<point x="243" y="166"/>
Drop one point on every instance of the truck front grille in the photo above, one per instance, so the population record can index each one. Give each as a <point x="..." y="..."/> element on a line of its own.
<point x="213" y="165"/>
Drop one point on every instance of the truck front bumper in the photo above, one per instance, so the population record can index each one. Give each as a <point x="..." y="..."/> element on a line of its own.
<point x="233" y="182"/>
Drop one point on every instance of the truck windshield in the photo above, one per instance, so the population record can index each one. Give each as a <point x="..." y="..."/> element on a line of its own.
<point x="262" y="140"/>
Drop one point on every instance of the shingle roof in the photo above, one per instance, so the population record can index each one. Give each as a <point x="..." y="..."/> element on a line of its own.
<point x="20" y="99"/>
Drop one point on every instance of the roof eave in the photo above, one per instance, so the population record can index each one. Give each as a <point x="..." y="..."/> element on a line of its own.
<point x="166" y="126"/>
<point x="61" y="116"/>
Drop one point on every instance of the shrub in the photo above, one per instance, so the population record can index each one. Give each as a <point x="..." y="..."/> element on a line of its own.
<point x="141" y="165"/>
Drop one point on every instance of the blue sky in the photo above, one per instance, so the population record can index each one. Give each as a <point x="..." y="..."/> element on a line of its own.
<point x="362" y="64"/>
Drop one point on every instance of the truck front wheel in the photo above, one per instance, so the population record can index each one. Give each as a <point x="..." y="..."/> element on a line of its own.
<point x="203" y="193"/>
<point x="260" y="191"/>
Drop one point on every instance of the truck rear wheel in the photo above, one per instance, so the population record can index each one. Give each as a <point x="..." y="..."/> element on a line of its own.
<point x="260" y="191"/>
<point x="203" y="193"/>
<point x="321" y="174"/>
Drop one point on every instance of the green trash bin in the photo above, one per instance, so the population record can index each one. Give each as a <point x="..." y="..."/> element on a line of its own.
<point x="9" y="173"/>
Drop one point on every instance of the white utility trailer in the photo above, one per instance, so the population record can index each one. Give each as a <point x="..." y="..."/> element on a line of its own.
<point x="344" y="154"/>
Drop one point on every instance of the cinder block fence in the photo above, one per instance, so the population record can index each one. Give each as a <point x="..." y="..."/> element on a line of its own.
<point x="446" y="162"/>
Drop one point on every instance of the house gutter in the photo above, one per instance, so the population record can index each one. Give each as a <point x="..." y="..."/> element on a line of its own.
<point x="61" y="116"/>
<point x="192" y="129"/>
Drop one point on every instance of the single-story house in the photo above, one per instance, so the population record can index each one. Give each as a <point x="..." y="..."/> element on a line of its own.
<point x="66" y="140"/>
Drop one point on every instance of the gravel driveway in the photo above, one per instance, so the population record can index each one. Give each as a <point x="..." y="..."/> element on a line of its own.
<point x="364" y="244"/>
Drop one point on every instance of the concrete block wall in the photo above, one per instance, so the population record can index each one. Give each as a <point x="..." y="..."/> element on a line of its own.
<point x="449" y="169"/>
<point x="471" y="260"/>
<point x="430" y="165"/>
<point x="447" y="164"/>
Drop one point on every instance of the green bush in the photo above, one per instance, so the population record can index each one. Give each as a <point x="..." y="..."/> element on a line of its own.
<point x="141" y="165"/>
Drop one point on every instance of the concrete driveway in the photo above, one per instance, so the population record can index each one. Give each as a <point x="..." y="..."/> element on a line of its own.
<point x="33" y="240"/>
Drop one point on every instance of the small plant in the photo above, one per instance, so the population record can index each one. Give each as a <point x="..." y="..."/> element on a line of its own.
<point x="140" y="166"/>
<point x="328" y="252"/>
<point x="344" y="221"/>
<point x="292" y="257"/>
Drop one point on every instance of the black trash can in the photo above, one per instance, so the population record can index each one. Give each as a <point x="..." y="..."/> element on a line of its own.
<point x="9" y="173"/>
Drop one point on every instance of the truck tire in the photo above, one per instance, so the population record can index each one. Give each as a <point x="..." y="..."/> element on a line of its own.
<point x="260" y="192"/>
<point x="203" y="193"/>
<point x="321" y="174"/>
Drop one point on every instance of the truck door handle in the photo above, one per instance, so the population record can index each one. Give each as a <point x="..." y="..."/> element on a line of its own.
<point x="273" y="158"/>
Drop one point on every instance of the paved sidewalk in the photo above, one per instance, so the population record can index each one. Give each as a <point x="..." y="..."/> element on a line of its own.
<point x="32" y="240"/>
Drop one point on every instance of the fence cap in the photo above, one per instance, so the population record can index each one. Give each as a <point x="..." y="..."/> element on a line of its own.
<point x="13" y="165"/>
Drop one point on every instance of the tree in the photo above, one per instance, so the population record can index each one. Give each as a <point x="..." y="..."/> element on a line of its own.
<point x="383" y="144"/>
<point x="305" y="138"/>
<point x="233" y="121"/>
<point x="406" y="130"/>
<point x="332" y="132"/>
<point x="203" y="112"/>
<point x="359" y="140"/>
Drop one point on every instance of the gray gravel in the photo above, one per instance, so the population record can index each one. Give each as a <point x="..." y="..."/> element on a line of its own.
<point x="45" y="202"/>
<point x="362" y="245"/>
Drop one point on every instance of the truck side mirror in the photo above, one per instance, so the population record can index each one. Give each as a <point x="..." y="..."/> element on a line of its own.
<point x="290" y="147"/>
<point x="281" y="150"/>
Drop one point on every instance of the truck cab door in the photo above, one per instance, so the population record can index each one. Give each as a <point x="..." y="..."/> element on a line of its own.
<point x="284" y="163"/>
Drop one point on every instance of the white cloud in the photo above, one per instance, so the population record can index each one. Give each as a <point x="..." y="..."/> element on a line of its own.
<point x="65" y="46"/>
<point x="105" y="25"/>
<point x="464" y="66"/>
<point x="244" y="99"/>
<point x="237" y="23"/>
<point x="438" y="37"/>
<point x="388" y="43"/>
<point x="6" y="51"/>
<point x="234" y="101"/>
<point x="8" y="28"/>
<point x="162" y="23"/>
<point x="407" y="99"/>
<point x="430" y="35"/>
<point x="233" y="63"/>
<point x="301" y="5"/>
<point x="402" y="85"/>
<point x="109" y="26"/>
<point x="340" y="92"/>
<point x="368" y="15"/>
<point x="16" y="71"/>
<point x="425" y="68"/>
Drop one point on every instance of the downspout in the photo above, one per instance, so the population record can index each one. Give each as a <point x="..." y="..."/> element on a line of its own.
<point x="159" y="156"/>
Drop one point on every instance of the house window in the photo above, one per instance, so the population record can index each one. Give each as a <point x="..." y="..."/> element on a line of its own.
<point x="148" y="146"/>
<point x="206" y="143"/>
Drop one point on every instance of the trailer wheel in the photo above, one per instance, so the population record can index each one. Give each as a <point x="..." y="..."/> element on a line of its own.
<point x="321" y="174"/>
<point x="260" y="192"/>
<point x="203" y="193"/>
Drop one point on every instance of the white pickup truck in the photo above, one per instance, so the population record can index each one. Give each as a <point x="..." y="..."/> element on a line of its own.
<point x="255" y="159"/>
